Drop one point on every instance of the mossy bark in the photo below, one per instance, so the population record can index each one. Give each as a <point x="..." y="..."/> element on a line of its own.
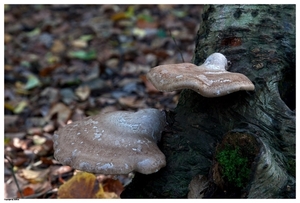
<point x="259" y="41"/>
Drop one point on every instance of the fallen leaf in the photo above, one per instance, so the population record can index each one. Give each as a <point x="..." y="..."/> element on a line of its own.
<point x="83" y="55"/>
<point x="142" y="24"/>
<point x="20" y="107"/>
<point x="111" y="185"/>
<point x="35" y="131"/>
<point x="63" y="112"/>
<point x="86" y="37"/>
<point x="131" y="101"/>
<point x="7" y="38"/>
<point x="123" y="15"/>
<point x="34" y="32"/>
<point x="58" y="170"/>
<point x="49" y="128"/>
<point x="9" y="106"/>
<point x="47" y="71"/>
<point x="58" y="46"/>
<point x="42" y="149"/>
<point x="38" y="140"/>
<point x="42" y="188"/>
<point x="118" y="16"/>
<point x="10" y="186"/>
<point x="23" y="144"/>
<point x="32" y="82"/>
<point x="83" y="185"/>
<point x="46" y="161"/>
<point x="35" y="176"/>
<point x="79" y="43"/>
<point x="197" y="187"/>
<point x="101" y="194"/>
<point x="27" y="191"/>
<point x="83" y="92"/>
<point x="20" y="160"/>
<point x="138" y="32"/>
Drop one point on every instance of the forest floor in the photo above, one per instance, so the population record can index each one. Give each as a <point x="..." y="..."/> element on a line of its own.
<point x="63" y="63"/>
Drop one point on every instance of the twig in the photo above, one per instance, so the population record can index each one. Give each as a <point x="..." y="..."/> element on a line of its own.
<point x="13" y="174"/>
<point x="176" y="46"/>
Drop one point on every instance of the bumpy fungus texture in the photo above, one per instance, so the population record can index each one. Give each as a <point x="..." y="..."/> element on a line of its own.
<point x="210" y="79"/>
<point x="113" y="143"/>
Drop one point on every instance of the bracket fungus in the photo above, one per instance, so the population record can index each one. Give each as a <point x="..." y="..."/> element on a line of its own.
<point x="113" y="143"/>
<point x="211" y="79"/>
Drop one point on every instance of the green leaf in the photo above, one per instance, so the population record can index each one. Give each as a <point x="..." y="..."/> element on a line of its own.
<point x="139" y="32"/>
<point x="130" y="12"/>
<point x="32" y="82"/>
<point x="86" y="37"/>
<point x="20" y="107"/>
<point x="179" y="13"/>
<point x="161" y="33"/>
<point x="145" y="17"/>
<point x="34" y="32"/>
<point x="38" y="140"/>
<point x="83" y="55"/>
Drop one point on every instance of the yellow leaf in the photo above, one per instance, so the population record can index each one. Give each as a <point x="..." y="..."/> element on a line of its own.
<point x="83" y="185"/>
<point x="101" y="194"/>
<point x="118" y="16"/>
<point x="9" y="106"/>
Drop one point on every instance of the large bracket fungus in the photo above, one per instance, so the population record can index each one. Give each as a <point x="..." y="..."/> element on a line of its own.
<point x="211" y="79"/>
<point x="113" y="143"/>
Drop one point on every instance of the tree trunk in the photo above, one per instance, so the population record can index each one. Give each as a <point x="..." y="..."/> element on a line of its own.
<point x="256" y="128"/>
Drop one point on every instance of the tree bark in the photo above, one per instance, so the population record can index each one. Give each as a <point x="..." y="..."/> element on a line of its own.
<point x="259" y="41"/>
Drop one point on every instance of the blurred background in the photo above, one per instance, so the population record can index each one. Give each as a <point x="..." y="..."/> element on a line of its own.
<point x="66" y="62"/>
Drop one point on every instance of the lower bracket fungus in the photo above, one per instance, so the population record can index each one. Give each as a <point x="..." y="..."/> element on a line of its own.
<point x="113" y="143"/>
<point x="211" y="79"/>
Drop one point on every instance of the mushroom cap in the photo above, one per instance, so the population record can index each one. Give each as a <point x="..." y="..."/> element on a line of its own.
<point x="113" y="143"/>
<point x="210" y="79"/>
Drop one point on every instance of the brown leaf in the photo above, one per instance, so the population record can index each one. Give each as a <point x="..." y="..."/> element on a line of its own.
<point x="111" y="185"/>
<point x="63" y="112"/>
<point x="131" y="101"/>
<point x="27" y="191"/>
<point x="58" y="46"/>
<point x="49" y="127"/>
<point x="41" y="188"/>
<point x="47" y="71"/>
<point x="20" y="160"/>
<point x="34" y="190"/>
<point x="141" y="23"/>
<point x="83" y="185"/>
<point x="7" y="38"/>
<point x="46" y="161"/>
